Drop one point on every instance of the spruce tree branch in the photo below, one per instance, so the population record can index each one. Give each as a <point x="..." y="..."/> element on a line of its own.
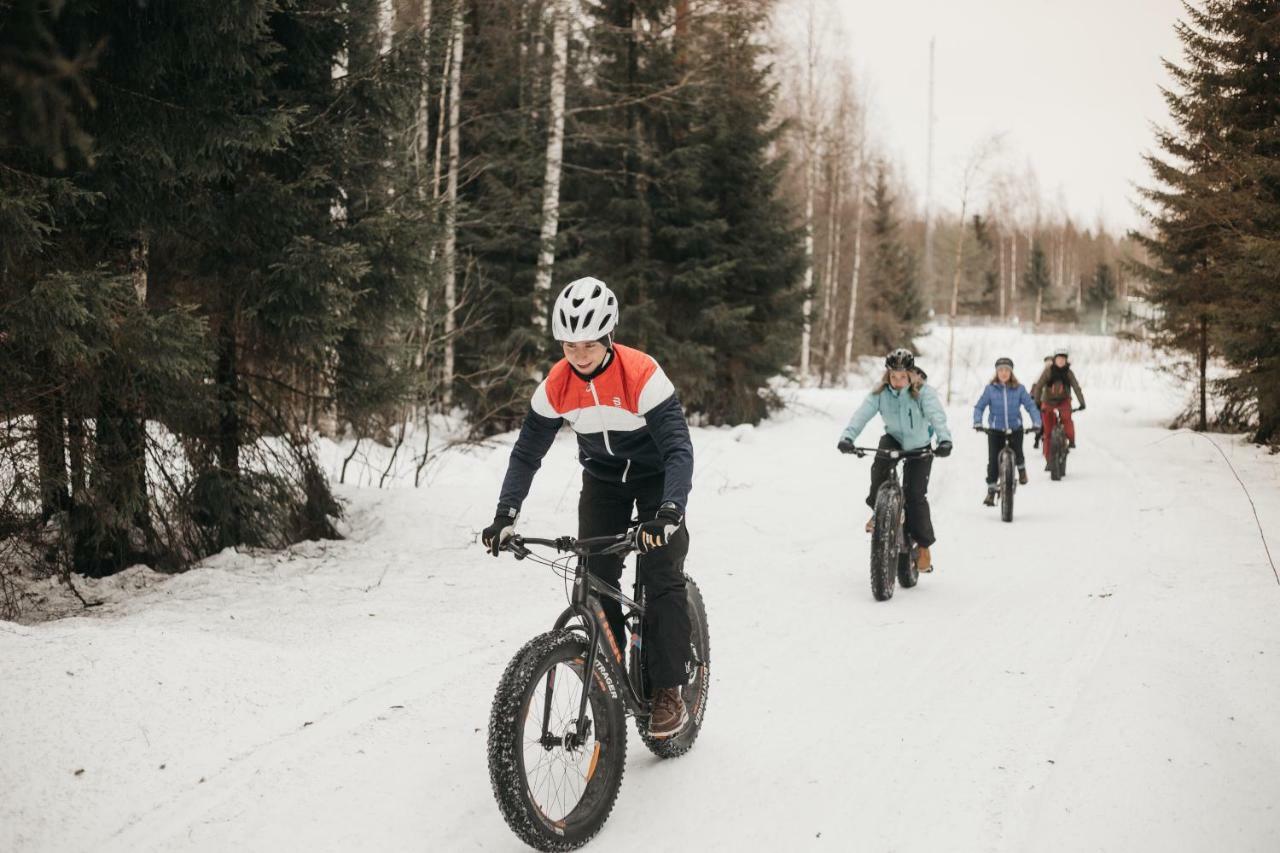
<point x="659" y="94"/>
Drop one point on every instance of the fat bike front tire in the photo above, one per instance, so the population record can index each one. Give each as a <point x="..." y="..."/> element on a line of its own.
<point x="1058" y="454"/>
<point x="555" y="794"/>
<point x="1008" y="482"/>
<point x="885" y="547"/>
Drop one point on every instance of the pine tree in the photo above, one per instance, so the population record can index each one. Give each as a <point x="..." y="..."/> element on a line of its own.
<point x="726" y="292"/>
<point x="1214" y="208"/>
<point x="897" y="310"/>
<point x="1102" y="290"/>
<point x="1037" y="278"/>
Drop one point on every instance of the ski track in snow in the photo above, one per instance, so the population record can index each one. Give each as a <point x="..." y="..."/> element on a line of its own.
<point x="1099" y="675"/>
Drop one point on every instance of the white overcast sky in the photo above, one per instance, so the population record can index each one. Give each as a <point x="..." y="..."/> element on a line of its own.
<point x="1072" y="86"/>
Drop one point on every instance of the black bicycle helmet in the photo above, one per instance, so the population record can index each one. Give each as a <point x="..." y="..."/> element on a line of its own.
<point x="900" y="359"/>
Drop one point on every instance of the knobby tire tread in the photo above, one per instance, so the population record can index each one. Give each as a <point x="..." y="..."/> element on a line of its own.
<point x="678" y="745"/>
<point x="884" y="545"/>
<point x="1008" y="482"/>
<point x="506" y="730"/>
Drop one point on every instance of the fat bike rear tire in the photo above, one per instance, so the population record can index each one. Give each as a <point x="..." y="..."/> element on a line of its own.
<point x="697" y="687"/>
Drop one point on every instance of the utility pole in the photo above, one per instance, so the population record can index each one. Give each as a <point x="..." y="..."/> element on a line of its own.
<point x="928" y="189"/>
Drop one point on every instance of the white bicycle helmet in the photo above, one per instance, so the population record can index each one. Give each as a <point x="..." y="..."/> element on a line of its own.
<point x="586" y="310"/>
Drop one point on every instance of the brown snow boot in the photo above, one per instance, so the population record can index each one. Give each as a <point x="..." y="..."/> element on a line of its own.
<point x="669" y="714"/>
<point x="871" y="524"/>
<point x="924" y="563"/>
<point x="990" y="499"/>
<point x="1022" y="476"/>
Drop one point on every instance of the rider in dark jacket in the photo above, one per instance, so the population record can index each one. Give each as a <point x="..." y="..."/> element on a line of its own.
<point x="634" y="446"/>
<point x="1054" y="389"/>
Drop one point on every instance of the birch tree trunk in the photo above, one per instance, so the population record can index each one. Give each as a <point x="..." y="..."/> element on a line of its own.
<point x="810" y="179"/>
<point x="423" y="122"/>
<point x="833" y="266"/>
<point x="421" y="150"/>
<point x="1000" y="242"/>
<point x="810" y="131"/>
<point x="955" y="278"/>
<point x="851" y="319"/>
<point x="449" y="253"/>
<point x="829" y="325"/>
<point x="441" y="118"/>
<point x="555" y="160"/>
<point x="1013" y="273"/>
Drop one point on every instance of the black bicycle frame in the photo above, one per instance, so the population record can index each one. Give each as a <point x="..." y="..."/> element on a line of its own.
<point x="895" y="456"/>
<point x="584" y="604"/>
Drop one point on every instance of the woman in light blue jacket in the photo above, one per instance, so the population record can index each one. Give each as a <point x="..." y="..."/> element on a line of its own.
<point x="1005" y="399"/>
<point x="912" y="415"/>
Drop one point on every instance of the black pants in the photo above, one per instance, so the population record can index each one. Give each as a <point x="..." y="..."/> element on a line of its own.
<point x="995" y="443"/>
<point x="915" y="487"/>
<point x="605" y="508"/>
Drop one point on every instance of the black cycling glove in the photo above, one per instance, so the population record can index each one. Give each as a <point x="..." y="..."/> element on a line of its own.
<point x="657" y="532"/>
<point x="845" y="445"/>
<point x="497" y="534"/>
<point x="943" y="449"/>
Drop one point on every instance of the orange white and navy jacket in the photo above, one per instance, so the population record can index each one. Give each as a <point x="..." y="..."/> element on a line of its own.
<point x="629" y="423"/>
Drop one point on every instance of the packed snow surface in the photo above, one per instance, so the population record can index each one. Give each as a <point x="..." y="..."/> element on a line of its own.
<point x="1101" y="674"/>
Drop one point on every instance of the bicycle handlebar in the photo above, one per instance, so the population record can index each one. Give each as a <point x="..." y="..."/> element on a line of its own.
<point x="618" y="543"/>
<point x="889" y="453"/>
<point x="1007" y="431"/>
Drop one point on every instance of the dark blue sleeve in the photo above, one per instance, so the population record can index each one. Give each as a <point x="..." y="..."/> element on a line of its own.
<point x="671" y="432"/>
<point x="536" y="435"/>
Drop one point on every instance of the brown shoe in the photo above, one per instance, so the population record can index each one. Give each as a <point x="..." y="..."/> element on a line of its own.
<point x="924" y="563"/>
<point x="1022" y="476"/>
<point x="871" y="524"/>
<point x="990" y="499"/>
<point x="669" y="714"/>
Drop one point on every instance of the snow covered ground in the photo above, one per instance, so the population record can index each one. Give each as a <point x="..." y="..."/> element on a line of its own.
<point x="1102" y="674"/>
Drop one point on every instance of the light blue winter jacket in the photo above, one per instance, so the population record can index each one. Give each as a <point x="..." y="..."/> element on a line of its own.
<point x="1006" y="405"/>
<point x="910" y="420"/>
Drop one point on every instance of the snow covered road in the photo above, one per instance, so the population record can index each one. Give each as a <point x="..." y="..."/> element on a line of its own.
<point x="1102" y="674"/>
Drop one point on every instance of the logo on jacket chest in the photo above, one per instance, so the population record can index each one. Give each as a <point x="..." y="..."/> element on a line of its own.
<point x="588" y="400"/>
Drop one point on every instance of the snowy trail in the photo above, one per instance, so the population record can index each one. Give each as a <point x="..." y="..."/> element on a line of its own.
<point x="1099" y="675"/>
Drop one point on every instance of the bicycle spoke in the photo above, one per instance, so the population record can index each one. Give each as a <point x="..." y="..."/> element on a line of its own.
<point x="555" y="777"/>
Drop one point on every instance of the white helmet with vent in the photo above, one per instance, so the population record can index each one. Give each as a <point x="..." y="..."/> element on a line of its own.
<point x="586" y="310"/>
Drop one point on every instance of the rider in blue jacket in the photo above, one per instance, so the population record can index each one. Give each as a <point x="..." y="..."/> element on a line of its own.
<point x="1003" y="400"/>
<point x="912" y="415"/>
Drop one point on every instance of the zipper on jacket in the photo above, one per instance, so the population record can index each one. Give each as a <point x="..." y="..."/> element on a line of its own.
<point x="1007" y="425"/>
<point x="603" y="430"/>
<point x="626" y="470"/>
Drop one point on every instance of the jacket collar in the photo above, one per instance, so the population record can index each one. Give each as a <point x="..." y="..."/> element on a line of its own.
<point x="604" y="365"/>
